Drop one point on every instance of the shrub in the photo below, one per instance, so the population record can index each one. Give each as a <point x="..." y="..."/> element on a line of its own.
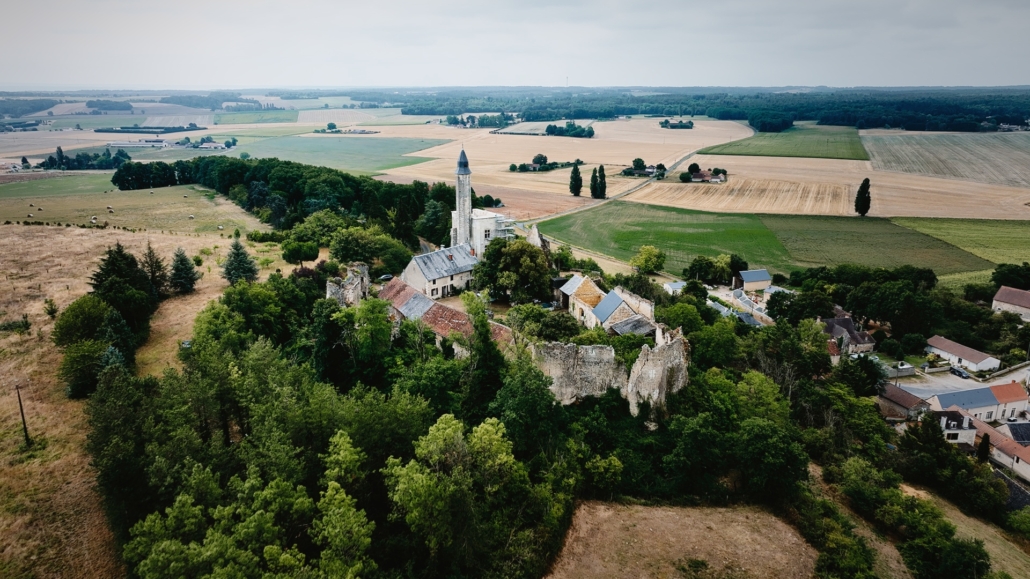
<point x="80" y="367"/>
<point x="893" y="348"/>
<point x="81" y="320"/>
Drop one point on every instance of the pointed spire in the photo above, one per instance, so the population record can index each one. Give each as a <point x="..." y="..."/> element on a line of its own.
<point x="463" y="164"/>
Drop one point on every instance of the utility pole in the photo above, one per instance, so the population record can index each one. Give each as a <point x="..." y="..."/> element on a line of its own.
<point x="24" y="426"/>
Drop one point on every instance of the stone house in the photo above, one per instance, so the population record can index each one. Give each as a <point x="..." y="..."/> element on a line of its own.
<point x="1013" y="300"/>
<point x="988" y="403"/>
<point x="580" y="295"/>
<point x="1004" y="451"/>
<point x="1018" y="431"/>
<point x="621" y="305"/>
<point x="851" y="341"/>
<point x="443" y="272"/>
<point x="895" y="402"/>
<point x="958" y="428"/>
<point x="958" y="355"/>
<point x="352" y="289"/>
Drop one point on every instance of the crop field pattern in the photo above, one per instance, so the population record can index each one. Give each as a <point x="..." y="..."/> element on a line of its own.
<point x="1002" y="158"/>
<point x="256" y="117"/>
<point x="804" y="140"/>
<point x="995" y="241"/>
<point x="740" y="195"/>
<point x="358" y="155"/>
<point x="779" y="242"/>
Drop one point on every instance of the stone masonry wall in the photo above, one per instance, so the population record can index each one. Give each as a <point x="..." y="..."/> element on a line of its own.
<point x="656" y="373"/>
<point x="348" y="292"/>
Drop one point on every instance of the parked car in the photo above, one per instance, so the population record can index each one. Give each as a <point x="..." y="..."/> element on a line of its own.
<point x="960" y="373"/>
<point x="386" y="277"/>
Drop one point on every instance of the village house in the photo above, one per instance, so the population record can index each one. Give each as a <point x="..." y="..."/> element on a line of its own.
<point x="443" y="272"/>
<point x="618" y="312"/>
<point x="988" y="403"/>
<point x="1004" y="451"/>
<point x="752" y="280"/>
<point x="958" y="355"/>
<point x="897" y="403"/>
<point x="851" y="340"/>
<point x="580" y="295"/>
<point x="958" y="428"/>
<point x="1013" y="300"/>
<point x="1018" y="431"/>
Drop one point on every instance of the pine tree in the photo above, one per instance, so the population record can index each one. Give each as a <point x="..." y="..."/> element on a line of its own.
<point x="602" y="184"/>
<point x="575" y="181"/>
<point x="983" y="452"/>
<point x="863" y="200"/>
<point x="184" y="275"/>
<point x="239" y="265"/>
<point x="595" y="186"/>
<point x="156" y="270"/>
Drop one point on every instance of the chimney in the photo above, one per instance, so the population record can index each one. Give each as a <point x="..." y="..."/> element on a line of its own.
<point x="450" y="257"/>
<point x="472" y="252"/>
<point x="965" y="422"/>
<point x="944" y="422"/>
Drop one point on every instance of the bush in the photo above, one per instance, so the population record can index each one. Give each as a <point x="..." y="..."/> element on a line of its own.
<point x="19" y="326"/>
<point x="81" y="320"/>
<point x="685" y="177"/>
<point x="892" y="347"/>
<point x="80" y="367"/>
<point x="913" y="344"/>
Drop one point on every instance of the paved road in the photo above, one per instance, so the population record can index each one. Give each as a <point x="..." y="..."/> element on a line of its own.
<point x="927" y="385"/>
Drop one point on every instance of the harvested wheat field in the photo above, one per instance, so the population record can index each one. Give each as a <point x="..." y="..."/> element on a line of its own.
<point x="615" y="145"/>
<point x="338" y="116"/>
<point x="751" y="196"/>
<point x="179" y="121"/>
<point x="609" y="540"/>
<point x="894" y="194"/>
<point x="51" y="521"/>
<point x="1001" y="158"/>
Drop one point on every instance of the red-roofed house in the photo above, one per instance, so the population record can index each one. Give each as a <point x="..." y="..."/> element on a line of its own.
<point x="1012" y="399"/>
<point x="1004" y="450"/>
<point x="901" y="404"/>
<point x="1010" y="299"/>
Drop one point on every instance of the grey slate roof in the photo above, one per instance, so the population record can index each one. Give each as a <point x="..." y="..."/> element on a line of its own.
<point x="572" y="285"/>
<point x="417" y="305"/>
<point x="463" y="164"/>
<point x="755" y="275"/>
<point x="676" y="285"/>
<point x="749" y="319"/>
<point x="968" y="399"/>
<point x="1020" y="432"/>
<point x="635" y="324"/>
<point x="723" y="310"/>
<point x="437" y="264"/>
<point x="607" y="306"/>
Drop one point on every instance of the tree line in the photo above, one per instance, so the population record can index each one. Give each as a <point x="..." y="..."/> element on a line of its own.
<point x="83" y="161"/>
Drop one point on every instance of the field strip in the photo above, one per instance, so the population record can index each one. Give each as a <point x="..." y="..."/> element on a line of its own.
<point x="338" y="116"/>
<point x="179" y="121"/>
<point x="750" y="196"/>
<point x="1003" y="158"/>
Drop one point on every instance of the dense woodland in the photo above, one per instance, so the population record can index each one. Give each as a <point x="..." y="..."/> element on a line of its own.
<point x="306" y="439"/>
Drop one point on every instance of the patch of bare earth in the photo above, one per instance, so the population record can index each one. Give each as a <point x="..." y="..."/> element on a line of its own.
<point x="610" y="540"/>
<point x="20" y="177"/>
<point x="52" y="523"/>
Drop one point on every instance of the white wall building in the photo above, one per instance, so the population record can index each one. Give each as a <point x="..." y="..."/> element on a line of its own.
<point x="1013" y="300"/>
<point x="476" y="227"/>
<point x="959" y="355"/>
<point x="441" y="273"/>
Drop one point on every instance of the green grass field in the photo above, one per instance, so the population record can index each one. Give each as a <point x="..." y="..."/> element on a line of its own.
<point x="76" y="198"/>
<point x="997" y="241"/>
<point x="804" y="140"/>
<point x="778" y="242"/>
<point x="256" y="117"/>
<point x="358" y="155"/>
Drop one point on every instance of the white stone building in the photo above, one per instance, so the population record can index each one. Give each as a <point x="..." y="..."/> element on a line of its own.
<point x="443" y="272"/>
<point x="476" y="227"/>
<point x="958" y="355"/>
<point x="1010" y="299"/>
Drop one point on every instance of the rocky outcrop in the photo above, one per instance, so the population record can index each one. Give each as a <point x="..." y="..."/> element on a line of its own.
<point x="657" y="373"/>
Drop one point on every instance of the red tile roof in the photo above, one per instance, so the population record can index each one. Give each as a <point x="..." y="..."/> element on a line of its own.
<point x="1011" y="392"/>
<point x="832" y="346"/>
<point x="1013" y="296"/>
<point x="904" y="399"/>
<point x="999" y="441"/>
<point x="954" y="348"/>
<point x="395" y="290"/>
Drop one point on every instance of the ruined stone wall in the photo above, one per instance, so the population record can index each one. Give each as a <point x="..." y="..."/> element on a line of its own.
<point x="657" y="373"/>
<point x="348" y="292"/>
<point x="581" y="371"/>
<point x="636" y="303"/>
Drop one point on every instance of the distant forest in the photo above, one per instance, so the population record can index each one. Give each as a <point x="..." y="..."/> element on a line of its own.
<point x="968" y="110"/>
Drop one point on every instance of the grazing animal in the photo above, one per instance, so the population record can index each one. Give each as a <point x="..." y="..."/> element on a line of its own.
<point x="191" y="217"/>
<point x="108" y="206"/>
<point x="110" y="210"/>
<point x="30" y="215"/>
<point x="31" y="205"/>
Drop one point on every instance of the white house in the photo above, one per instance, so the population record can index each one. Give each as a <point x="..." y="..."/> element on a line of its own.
<point x="1004" y="451"/>
<point x="752" y="280"/>
<point x="958" y="428"/>
<point x="959" y="355"/>
<point x="441" y="273"/>
<point x="1009" y="299"/>
<point x="988" y="403"/>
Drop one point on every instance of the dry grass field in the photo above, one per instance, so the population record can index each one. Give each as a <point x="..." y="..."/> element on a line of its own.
<point x="893" y="194"/>
<point x="609" y="540"/>
<point x="1000" y="158"/>
<point x="741" y="195"/>
<point x="540" y="128"/>
<point x="51" y="520"/>
<point x="179" y="121"/>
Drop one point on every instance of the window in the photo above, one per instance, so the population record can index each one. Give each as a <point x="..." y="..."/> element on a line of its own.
<point x="452" y="278"/>
<point x="989" y="415"/>
<point x="434" y="292"/>
<point x="952" y="436"/>
<point x="434" y="282"/>
<point x="486" y="235"/>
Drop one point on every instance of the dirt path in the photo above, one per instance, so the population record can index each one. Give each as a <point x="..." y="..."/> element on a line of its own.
<point x="610" y="540"/>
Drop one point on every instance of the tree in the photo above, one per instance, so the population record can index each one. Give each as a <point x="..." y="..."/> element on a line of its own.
<point x="686" y="177"/>
<point x="80" y="367"/>
<point x="681" y="315"/>
<point x="575" y="181"/>
<point x="594" y="185"/>
<point x="516" y="269"/>
<point x="602" y="184"/>
<point x="771" y="464"/>
<point x="694" y="168"/>
<point x="239" y="265"/>
<point x="983" y="451"/>
<point x="513" y="167"/>
<point x="1012" y="275"/>
<point x="892" y="348"/>
<point x="639" y="164"/>
<point x="297" y="252"/>
<point x="331" y="126"/>
<point x="156" y="270"/>
<point x="649" y="259"/>
<point x="81" y="320"/>
<point x="184" y="275"/>
<point x="863" y="200"/>
<point x="540" y="159"/>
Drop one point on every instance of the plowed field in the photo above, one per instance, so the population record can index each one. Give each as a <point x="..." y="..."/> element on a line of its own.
<point x="751" y="196"/>
<point x="1002" y="158"/>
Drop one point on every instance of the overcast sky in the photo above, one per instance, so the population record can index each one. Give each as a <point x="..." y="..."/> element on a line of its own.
<point x="64" y="44"/>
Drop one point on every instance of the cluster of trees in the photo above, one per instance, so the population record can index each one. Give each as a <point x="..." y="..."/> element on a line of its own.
<point x="680" y="124"/>
<point x="83" y="161"/>
<point x="770" y="121"/>
<point x="104" y="327"/>
<point x="212" y="101"/>
<point x="500" y="121"/>
<point x="542" y="164"/>
<point x="22" y="107"/>
<point x="106" y="105"/>
<point x="571" y="129"/>
<point x="715" y="271"/>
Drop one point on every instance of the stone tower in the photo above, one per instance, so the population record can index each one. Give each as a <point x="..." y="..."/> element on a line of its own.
<point x="461" y="220"/>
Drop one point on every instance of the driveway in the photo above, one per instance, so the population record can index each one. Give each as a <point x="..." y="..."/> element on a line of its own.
<point x="927" y="385"/>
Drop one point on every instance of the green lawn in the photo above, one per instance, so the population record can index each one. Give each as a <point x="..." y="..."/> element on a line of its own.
<point x="256" y="117"/>
<point x="803" y="140"/>
<point x="779" y="243"/>
<point x="359" y="155"/>
<point x="993" y="240"/>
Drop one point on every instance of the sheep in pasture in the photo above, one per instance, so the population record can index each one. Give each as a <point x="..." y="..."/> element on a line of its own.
<point x="110" y="210"/>
<point x="30" y="215"/>
<point x="185" y="196"/>
<point x="109" y="207"/>
<point x="31" y="205"/>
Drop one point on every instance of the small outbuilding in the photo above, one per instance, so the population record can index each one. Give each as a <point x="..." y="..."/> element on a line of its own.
<point x="895" y="402"/>
<point x="752" y="280"/>
<point x="674" y="288"/>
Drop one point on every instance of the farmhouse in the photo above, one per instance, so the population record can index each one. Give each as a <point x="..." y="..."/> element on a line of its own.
<point x="1004" y="451"/>
<point x="901" y="404"/>
<point x="581" y="295"/>
<point x="443" y="272"/>
<point x="851" y="340"/>
<point x="142" y="143"/>
<point x="408" y="303"/>
<point x="1009" y="299"/>
<point x="212" y="146"/>
<point x="958" y="428"/>
<point x="959" y="355"/>
<point x="752" y="280"/>
<point x="987" y="403"/>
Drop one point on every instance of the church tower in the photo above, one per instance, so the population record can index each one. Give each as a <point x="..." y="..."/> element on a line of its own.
<point x="461" y="219"/>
